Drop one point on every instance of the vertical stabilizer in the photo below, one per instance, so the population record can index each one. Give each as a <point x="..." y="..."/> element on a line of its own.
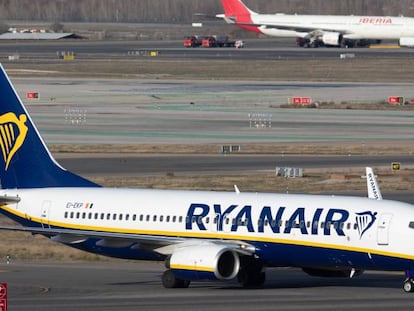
<point x="236" y="12"/>
<point x="25" y="161"/>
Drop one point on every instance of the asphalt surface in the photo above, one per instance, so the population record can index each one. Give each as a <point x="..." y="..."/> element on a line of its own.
<point x="100" y="286"/>
<point x="267" y="49"/>
<point x="184" y="164"/>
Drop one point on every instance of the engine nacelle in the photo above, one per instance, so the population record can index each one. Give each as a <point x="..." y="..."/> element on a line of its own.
<point x="206" y="261"/>
<point x="332" y="38"/>
<point x="407" y="42"/>
<point x="335" y="273"/>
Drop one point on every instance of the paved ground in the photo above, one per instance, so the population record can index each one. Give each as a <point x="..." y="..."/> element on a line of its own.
<point x="136" y="286"/>
<point x="85" y="111"/>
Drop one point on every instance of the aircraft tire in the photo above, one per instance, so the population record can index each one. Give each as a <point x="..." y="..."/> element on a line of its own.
<point x="170" y="281"/>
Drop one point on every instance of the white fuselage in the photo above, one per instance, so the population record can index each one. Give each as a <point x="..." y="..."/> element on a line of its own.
<point x="352" y="27"/>
<point x="349" y="224"/>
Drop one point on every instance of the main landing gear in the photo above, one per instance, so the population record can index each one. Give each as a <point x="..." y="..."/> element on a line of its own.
<point x="251" y="274"/>
<point x="169" y="280"/>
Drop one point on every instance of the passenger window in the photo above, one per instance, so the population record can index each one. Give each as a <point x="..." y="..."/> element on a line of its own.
<point x="114" y="217"/>
<point x="180" y="219"/>
<point x="154" y="218"/>
<point x="174" y="219"/>
<point x="83" y="215"/>
<point x="411" y="225"/>
<point x="120" y="216"/>
<point x="66" y="214"/>
<point x="161" y="218"/>
<point x="148" y="218"/>
<point x="90" y="216"/>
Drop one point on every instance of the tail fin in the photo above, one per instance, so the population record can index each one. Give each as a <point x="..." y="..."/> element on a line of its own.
<point x="236" y="12"/>
<point x="233" y="8"/>
<point x="25" y="161"/>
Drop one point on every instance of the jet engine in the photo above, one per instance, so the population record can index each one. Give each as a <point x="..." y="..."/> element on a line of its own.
<point x="208" y="261"/>
<point x="332" y="38"/>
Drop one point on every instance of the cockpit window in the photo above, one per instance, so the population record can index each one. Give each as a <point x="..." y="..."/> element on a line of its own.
<point x="411" y="225"/>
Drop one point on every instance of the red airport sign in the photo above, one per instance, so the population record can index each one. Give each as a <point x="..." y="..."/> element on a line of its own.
<point x="3" y="296"/>
<point x="301" y="101"/>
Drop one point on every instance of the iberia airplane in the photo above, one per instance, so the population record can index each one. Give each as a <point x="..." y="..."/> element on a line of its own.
<point x="198" y="234"/>
<point x="319" y="30"/>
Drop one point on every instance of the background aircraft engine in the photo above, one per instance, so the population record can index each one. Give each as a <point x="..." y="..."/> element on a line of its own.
<point x="407" y="41"/>
<point x="208" y="261"/>
<point x="332" y="38"/>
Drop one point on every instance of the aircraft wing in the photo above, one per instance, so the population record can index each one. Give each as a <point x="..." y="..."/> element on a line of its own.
<point x="162" y="244"/>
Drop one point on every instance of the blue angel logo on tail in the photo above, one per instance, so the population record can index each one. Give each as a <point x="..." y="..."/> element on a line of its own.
<point x="364" y="221"/>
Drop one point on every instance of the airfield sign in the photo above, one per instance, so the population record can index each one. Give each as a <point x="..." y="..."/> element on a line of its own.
<point x="3" y="296"/>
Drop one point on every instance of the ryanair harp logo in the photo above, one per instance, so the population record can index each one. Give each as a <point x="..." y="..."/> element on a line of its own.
<point x="13" y="132"/>
<point x="364" y="221"/>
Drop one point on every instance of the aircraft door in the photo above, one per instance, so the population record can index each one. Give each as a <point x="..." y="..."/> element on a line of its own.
<point x="383" y="229"/>
<point x="44" y="214"/>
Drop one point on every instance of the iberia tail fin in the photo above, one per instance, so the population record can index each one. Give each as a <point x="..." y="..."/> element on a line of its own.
<point x="236" y="12"/>
<point x="25" y="161"/>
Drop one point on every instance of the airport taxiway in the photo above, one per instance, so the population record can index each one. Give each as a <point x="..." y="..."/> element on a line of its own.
<point x="87" y="111"/>
<point x="256" y="49"/>
<point x="126" y="285"/>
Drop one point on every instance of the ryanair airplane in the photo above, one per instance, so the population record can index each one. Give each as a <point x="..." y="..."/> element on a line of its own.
<point x="198" y="234"/>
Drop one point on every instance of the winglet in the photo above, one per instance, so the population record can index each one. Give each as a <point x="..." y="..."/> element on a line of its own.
<point x="374" y="191"/>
